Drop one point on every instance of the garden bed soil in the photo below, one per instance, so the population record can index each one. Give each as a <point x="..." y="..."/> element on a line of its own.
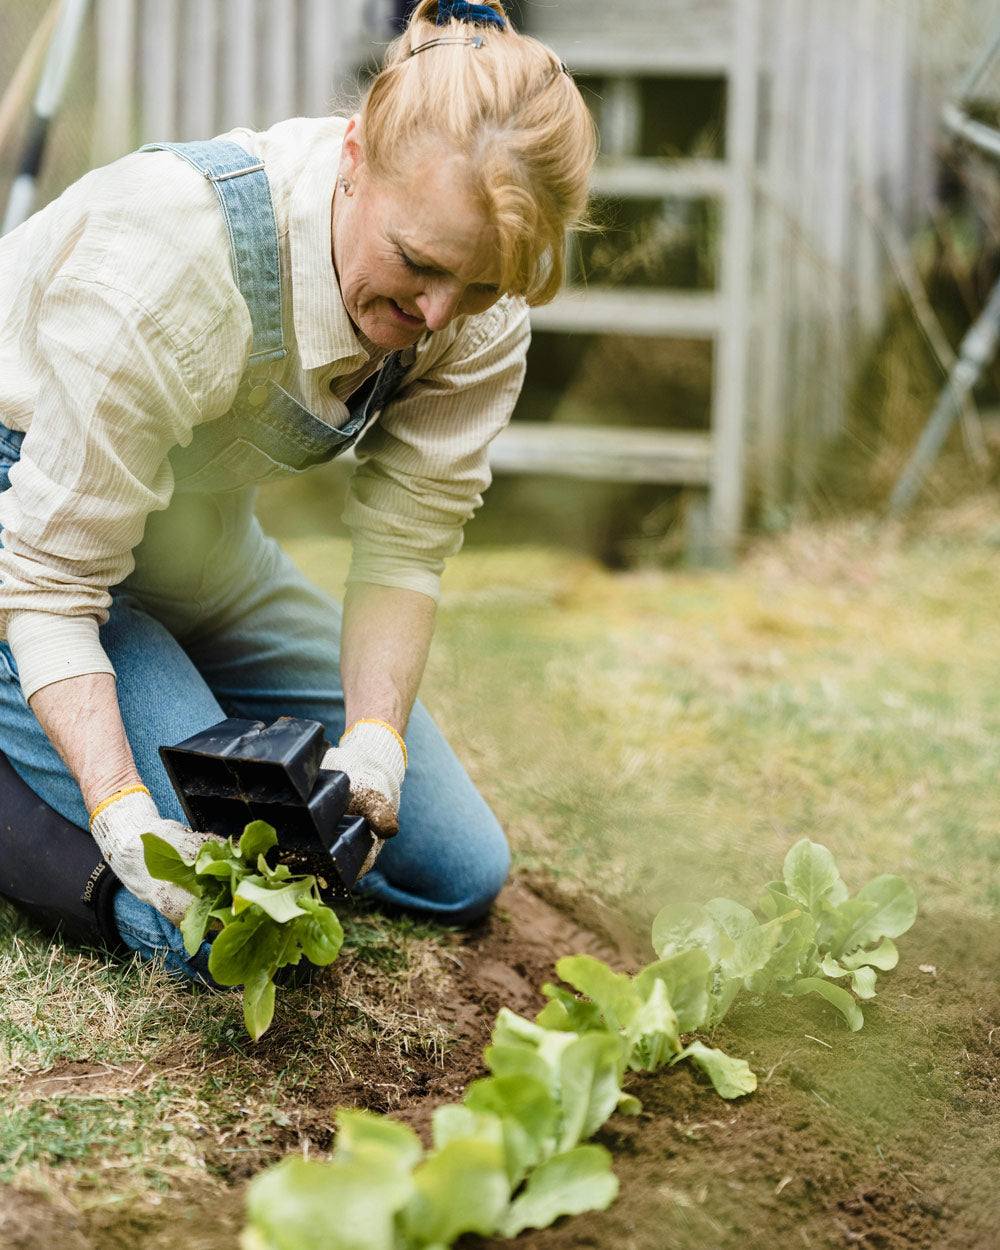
<point x="887" y="1138"/>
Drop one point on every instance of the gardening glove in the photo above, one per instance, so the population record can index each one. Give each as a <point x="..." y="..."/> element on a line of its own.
<point x="373" y="756"/>
<point x="117" y="824"/>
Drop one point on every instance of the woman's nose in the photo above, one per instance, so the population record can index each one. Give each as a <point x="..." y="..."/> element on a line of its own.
<point x="439" y="304"/>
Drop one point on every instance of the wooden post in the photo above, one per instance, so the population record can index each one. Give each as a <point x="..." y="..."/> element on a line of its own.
<point x="198" y="70"/>
<point x="730" y="363"/>
<point x="113" y="115"/>
<point x="159" y="71"/>
<point x="240" y="97"/>
<point x="773" y="389"/>
<point x="281" y="61"/>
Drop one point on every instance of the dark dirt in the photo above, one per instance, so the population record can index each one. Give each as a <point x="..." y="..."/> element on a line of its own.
<point x="884" y="1139"/>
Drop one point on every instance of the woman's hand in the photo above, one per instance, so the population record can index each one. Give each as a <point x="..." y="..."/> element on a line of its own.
<point x="386" y="635"/>
<point x="373" y="756"/>
<point x="118" y="824"/>
<point x="81" y="718"/>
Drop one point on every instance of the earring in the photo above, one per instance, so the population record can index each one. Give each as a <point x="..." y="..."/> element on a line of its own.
<point x="343" y="185"/>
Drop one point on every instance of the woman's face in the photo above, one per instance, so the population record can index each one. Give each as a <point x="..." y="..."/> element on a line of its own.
<point x="414" y="253"/>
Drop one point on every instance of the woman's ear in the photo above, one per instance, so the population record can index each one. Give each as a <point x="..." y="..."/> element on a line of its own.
<point x="352" y="155"/>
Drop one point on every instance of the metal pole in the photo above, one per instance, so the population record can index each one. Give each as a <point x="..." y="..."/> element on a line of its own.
<point x="974" y="355"/>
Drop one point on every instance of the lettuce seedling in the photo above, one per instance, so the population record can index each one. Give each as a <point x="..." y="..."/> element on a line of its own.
<point x="263" y="918"/>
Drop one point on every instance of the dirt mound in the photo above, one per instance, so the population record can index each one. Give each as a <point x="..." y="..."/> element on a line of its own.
<point x="886" y="1138"/>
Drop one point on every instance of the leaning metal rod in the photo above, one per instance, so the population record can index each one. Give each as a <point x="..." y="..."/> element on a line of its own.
<point x="58" y="60"/>
<point x="981" y="339"/>
<point x="974" y="355"/>
<point x="953" y="114"/>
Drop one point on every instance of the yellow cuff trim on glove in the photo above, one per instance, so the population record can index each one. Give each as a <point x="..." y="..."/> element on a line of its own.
<point x="371" y="720"/>
<point x="113" y="798"/>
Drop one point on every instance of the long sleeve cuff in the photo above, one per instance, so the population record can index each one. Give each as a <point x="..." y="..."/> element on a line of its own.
<point x="48" y="648"/>
<point x="388" y="570"/>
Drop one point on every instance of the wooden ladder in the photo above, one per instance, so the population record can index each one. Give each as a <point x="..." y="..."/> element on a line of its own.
<point x="661" y="38"/>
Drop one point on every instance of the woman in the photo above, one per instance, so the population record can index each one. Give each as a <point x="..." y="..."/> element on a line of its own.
<point x="194" y="320"/>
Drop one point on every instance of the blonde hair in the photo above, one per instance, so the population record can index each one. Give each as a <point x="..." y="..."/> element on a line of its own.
<point x="511" y="111"/>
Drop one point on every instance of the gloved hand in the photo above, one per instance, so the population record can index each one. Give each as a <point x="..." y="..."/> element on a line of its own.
<point x="117" y="824"/>
<point x="373" y="756"/>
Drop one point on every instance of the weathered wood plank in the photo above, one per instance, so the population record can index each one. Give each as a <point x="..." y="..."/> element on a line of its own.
<point x="159" y="69"/>
<point x="645" y="36"/>
<point x="114" y="121"/>
<point x="603" y="453"/>
<point x="607" y="310"/>
<point x="650" y="178"/>
<point x="240" y="92"/>
<point x="729" y="417"/>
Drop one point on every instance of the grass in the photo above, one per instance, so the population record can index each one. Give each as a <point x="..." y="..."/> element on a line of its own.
<point x="645" y="737"/>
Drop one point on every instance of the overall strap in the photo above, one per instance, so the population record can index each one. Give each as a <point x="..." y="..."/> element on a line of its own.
<point x="245" y="196"/>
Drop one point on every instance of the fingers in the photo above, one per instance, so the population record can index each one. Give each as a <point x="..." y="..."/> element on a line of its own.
<point x="376" y="809"/>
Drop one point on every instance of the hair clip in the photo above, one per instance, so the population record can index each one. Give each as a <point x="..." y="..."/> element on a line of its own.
<point x="473" y="41"/>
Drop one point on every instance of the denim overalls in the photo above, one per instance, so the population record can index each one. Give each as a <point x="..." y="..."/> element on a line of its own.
<point x="216" y="621"/>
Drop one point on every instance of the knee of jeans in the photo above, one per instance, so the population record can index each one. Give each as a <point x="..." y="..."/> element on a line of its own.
<point x="485" y="879"/>
<point x="460" y="892"/>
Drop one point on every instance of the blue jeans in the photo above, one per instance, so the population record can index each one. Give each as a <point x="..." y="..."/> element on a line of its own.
<point x="247" y="635"/>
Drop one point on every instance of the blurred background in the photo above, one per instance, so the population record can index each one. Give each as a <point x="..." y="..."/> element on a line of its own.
<point x="790" y="244"/>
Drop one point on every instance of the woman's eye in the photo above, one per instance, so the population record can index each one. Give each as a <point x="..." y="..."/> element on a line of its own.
<point x="410" y="264"/>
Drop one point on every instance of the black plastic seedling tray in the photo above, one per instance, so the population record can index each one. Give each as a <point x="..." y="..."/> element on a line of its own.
<point x="243" y="770"/>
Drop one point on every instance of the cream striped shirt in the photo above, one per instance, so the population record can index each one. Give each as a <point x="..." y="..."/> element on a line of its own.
<point x="122" y="329"/>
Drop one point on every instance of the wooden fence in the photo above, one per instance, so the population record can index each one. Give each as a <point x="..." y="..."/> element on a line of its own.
<point x="835" y="163"/>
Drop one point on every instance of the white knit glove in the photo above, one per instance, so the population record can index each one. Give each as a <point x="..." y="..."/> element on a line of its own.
<point x="117" y="825"/>
<point x="373" y="756"/>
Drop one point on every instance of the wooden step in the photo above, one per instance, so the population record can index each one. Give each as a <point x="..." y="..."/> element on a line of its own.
<point x="614" y="310"/>
<point x="603" y="453"/>
<point x="659" y="179"/>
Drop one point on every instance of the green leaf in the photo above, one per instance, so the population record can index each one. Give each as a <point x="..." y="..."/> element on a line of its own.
<point x="732" y="918"/>
<point x="687" y="978"/>
<point x="654" y="1031"/>
<point x="588" y="1086"/>
<point x="839" y="998"/>
<point x="518" y="1060"/>
<point x="685" y="926"/>
<point x="566" y="1012"/>
<point x="863" y="982"/>
<point x="376" y="1142"/>
<point x="731" y="1077"/>
<point x="613" y="992"/>
<point x="792" y="957"/>
<point x="720" y="998"/>
<point x="776" y="901"/>
<point x="258" y="1003"/>
<point x="460" y="1189"/>
<point x="810" y="873"/>
<point x="320" y="934"/>
<point x="510" y="1027"/>
<point x="249" y="944"/>
<point x="754" y="948"/>
<point x="454" y="1121"/>
<point x="893" y="909"/>
<point x="197" y="918"/>
<point x="165" y="863"/>
<point x="567" y="1184"/>
<point x="885" y="957"/>
<point x="526" y="1103"/>
<point x="300" y="1205"/>
<point x="257" y="839"/>
<point x="281" y="904"/>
